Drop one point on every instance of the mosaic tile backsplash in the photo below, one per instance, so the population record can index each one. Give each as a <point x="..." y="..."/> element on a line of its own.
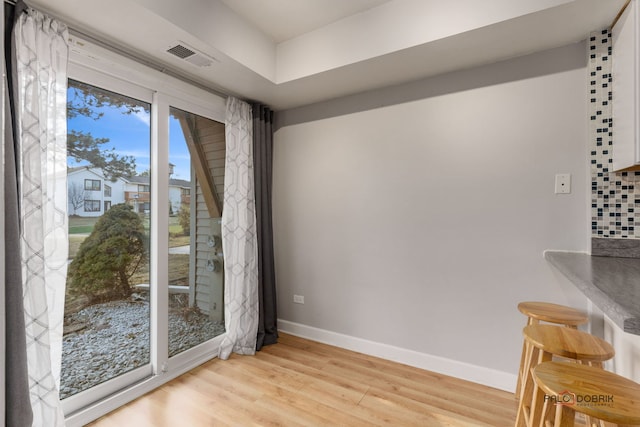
<point x="615" y="197"/>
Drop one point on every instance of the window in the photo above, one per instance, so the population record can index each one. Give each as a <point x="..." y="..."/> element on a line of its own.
<point x="107" y="205"/>
<point x="186" y="191"/>
<point x="107" y="191"/>
<point x="143" y="188"/>
<point x="92" y="205"/>
<point x="92" y="184"/>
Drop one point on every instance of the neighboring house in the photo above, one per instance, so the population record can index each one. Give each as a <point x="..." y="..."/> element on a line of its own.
<point x="138" y="187"/>
<point x="90" y="194"/>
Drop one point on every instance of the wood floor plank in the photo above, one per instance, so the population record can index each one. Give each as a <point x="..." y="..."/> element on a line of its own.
<point x="439" y="394"/>
<point x="298" y="382"/>
<point x="270" y="364"/>
<point x="401" y="413"/>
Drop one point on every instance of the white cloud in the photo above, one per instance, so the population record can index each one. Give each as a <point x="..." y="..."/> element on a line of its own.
<point x="143" y="116"/>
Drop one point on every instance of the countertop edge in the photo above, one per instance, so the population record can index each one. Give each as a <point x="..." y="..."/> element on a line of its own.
<point x="579" y="269"/>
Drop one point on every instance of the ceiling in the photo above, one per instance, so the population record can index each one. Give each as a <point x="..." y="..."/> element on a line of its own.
<point x="290" y="53"/>
<point x="282" y="20"/>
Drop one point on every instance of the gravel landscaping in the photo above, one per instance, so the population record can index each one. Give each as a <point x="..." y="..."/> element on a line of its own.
<point x="103" y="341"/>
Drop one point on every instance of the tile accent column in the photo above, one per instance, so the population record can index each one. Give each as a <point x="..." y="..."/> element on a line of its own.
<point x="615" y="197"/>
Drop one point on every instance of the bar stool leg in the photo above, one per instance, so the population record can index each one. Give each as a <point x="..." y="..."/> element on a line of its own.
<point x="525" y="393"/>
<point x="529" y="416"/>
<point x="527" y="352"/>
<point x="546" y="420"/>
<point x="565" y="416"/>
<point x="531" y="321"/>
<point x="537" y="416"/>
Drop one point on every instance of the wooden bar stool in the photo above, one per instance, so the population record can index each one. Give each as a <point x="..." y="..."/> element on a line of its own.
<point x="537" y="311"/>
<point x="543" y="342"/>
<point x="591" y="391"/>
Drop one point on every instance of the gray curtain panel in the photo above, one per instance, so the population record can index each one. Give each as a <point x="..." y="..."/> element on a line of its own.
<point x="17" y="402"/>
<point x="263" y="172"/>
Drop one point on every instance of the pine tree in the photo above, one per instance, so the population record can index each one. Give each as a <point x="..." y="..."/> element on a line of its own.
<point x="109" y="256"/>
<point x="88" y="101"/>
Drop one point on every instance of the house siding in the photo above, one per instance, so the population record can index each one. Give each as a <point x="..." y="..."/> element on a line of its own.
<point x="209" y="284"/>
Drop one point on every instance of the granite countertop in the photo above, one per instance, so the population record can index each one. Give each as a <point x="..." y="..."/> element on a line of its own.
<point x="611" y="283"/>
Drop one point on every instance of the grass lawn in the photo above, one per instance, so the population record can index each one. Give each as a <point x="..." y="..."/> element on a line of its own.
<point x="178" y="271"/>
<point x="178" y="241"/>
<point x="74" y="244"/>
<point x="80" y="228"/>
<point x="81" y="225"/>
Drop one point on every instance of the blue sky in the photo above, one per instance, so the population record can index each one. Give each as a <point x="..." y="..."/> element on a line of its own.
<point x="130" y="135"/>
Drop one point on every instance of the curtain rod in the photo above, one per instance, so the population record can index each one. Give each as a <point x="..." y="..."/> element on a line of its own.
<point x="123" y="51"/>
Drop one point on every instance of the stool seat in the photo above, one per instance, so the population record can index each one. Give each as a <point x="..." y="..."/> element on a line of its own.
<point x="598" y="393"/>
<point x="537" y="311"/>
<point x="553" y="313"/>
<point x="568" y="343"/>
<point x="542" y="343"/>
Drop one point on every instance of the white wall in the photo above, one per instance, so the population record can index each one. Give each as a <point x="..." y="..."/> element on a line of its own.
<point x="416" y="216"/>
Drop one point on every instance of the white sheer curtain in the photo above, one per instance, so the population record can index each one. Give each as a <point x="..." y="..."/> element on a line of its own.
<point x="239" y="235"/>
<point x="41" y="59"/>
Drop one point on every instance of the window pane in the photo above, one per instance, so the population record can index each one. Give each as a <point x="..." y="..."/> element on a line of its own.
<point x="195" y="247"/>
<point x="106" y="331"/>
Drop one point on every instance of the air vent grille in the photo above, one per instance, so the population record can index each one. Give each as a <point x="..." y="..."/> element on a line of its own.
<point x="181" y="51"/>
<point x="190" y="55"/>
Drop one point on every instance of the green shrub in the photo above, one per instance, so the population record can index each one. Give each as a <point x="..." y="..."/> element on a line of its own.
<point x="109" y="256"/>
<point x="184" y="218"/>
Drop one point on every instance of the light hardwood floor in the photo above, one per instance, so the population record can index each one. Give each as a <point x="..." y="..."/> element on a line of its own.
<point x="300" y="382"/>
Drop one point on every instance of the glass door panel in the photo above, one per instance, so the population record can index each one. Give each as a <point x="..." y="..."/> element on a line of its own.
<point x="106" y="330"/>
<point x="195" y="264"/>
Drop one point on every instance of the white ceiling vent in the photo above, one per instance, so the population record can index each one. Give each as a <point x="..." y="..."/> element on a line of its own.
<point x="190" y="55"/>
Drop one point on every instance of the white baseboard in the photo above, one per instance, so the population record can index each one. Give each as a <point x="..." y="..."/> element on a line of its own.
<point x="466" y="371"/>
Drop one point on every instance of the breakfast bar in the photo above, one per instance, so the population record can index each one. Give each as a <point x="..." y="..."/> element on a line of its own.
<point x="612" y="284"/>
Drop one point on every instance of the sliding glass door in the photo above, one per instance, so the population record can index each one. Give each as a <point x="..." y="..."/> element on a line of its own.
<point x="144" y="297"/>
<point x="106" y="328"/>
<point x="195" y="258"/>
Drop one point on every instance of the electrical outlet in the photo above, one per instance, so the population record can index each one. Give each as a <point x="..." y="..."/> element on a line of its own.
<point x="298" y="299"/>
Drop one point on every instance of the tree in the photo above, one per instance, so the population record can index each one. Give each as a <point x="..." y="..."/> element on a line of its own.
<point x="89" y="101"/>
<point x="84" y="146"/>
<point x="109" y="256"/>
<point x="184" y="218"/>
<point x="76" y="195"/>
